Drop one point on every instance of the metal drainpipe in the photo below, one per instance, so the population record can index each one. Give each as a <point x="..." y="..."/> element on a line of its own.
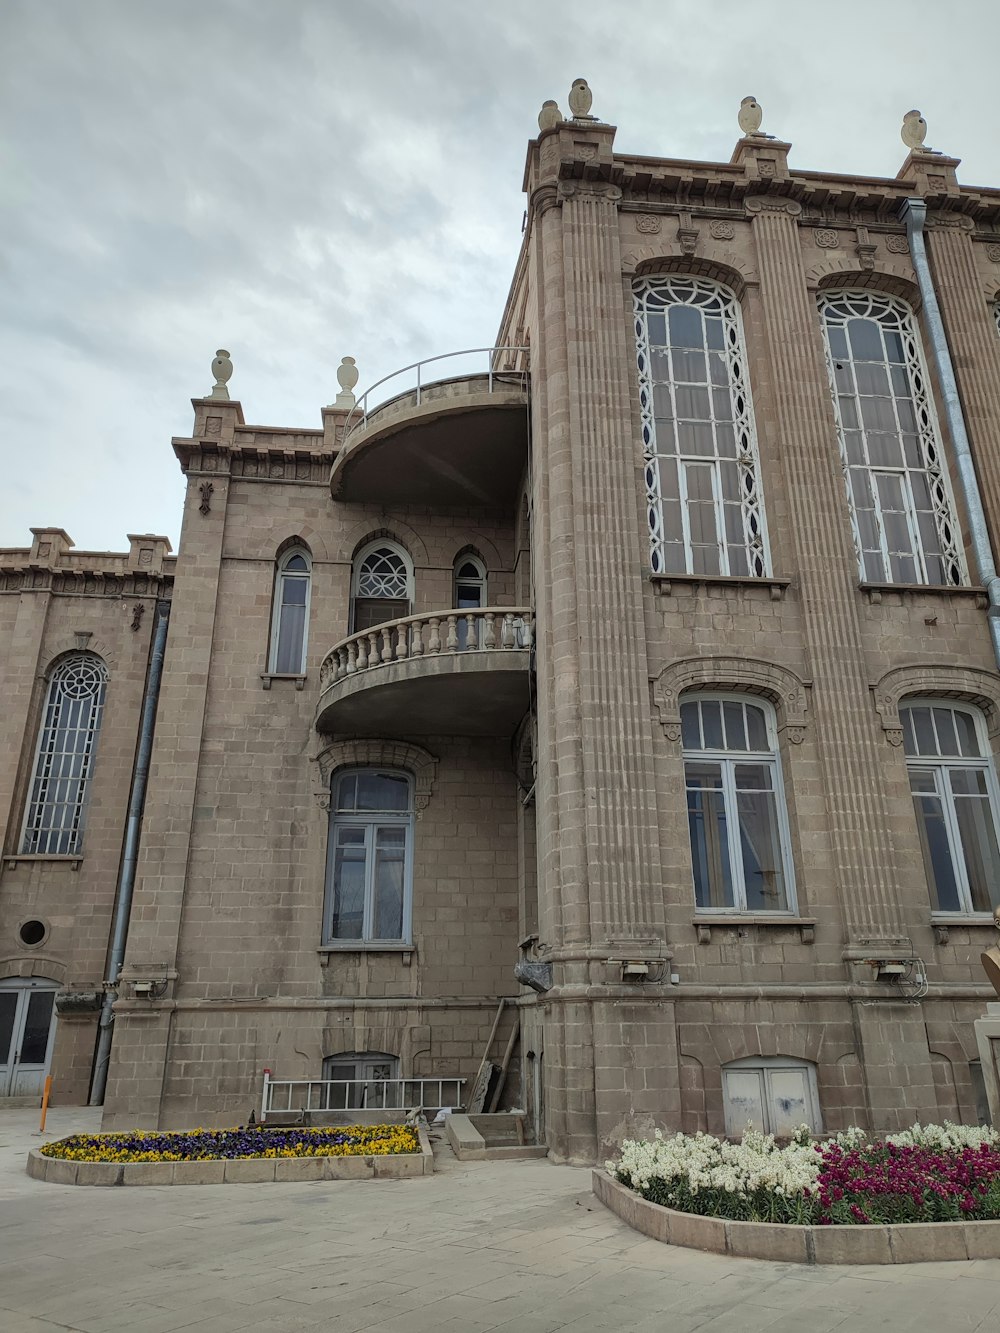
<point x="126" y="877"/>
<point x="914" y="214"/>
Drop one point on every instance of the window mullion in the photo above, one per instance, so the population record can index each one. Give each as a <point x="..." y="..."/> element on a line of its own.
<point x="942" y="779"/>
<point x="720" y="517"/>
<point x="369" y="917"/>
<point x="733" y="833"/>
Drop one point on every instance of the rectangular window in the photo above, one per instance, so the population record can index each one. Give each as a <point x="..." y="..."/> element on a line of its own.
<point x="369" y="871"/>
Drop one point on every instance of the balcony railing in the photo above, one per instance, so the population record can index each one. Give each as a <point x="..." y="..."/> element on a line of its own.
<point x="283" y="1096"/>
<point x="428" y="635"/>
<point x="501" y="363"/>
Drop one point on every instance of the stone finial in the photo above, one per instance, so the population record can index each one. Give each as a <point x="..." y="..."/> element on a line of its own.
<point x="580" y="99"/>
<point x="751" y="114"/>
<point x="222" y="369"/>
<point x="550" y="116"/>
<point x="914" y="131"/>
<point x="347" y="378"/>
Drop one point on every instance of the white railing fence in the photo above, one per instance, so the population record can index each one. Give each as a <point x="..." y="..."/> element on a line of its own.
<point x="501" y="363"/>
<point x="283" y="1096"/>
<point x="427" y="635"/>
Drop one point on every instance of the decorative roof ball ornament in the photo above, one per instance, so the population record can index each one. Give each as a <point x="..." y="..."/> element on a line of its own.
<point x="581" y="99"/>
<point x="347" y="378"/>
<point x="751" y="114"/>
<point x="914" y="131"/>
<point x="222" y="369"/>
<point x="990" y="958"/>
<point x="550" y="116"/>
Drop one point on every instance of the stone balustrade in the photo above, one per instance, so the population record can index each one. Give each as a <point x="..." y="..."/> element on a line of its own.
<point x="430" y="634"/>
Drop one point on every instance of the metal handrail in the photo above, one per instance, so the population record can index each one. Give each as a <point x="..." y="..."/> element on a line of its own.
<point x="358" y="415"/>
<point x="387" y="1094"/>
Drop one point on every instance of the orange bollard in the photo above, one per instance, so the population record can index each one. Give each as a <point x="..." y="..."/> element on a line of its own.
<point x="45" y="1102"/>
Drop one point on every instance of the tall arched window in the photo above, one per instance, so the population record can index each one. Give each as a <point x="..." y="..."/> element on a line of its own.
<point x="370" y="857"/>
<point x="897" y="476"/>
<point x="954" y="790"/>
<point x="736" y="808"/>
<point x="703" y="498"/>
<point x="382" y="586"/>
<point x="290" y="615"/>
<point x="57" y="800"/>
<point x="470" y="593"/>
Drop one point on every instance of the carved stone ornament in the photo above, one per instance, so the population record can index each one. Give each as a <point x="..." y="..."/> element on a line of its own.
<point x="377" y="753"/>
<point x="550" y="116"/>
<point x="767" y="203"/>
<point x="206" y="490"/>
<point x="581" y="99"/>
<point x="751" y="114"/>
<point x="981" y="688"/>
<point x="347" y="378"/>
<point x="937" y="184"/>
<point x="993" y="254"/>
<point x="766" y="168"/>
<point x="722" y="231"/>
<point x="827" y="239"/>
<point x="897" y="245"/>
<point x="589" y="189"/>
<point x="222" y="369"/>
<point x="213" y="425"/>
<point x="782" y="687"/>
<point x="914" y="130"/>
<point x="138" y="611"/>
<point x="687" y="235"/>
<point x="648" y="222"/>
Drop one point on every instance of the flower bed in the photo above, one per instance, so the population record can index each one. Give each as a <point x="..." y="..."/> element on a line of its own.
<point x="210" y="1145"/>
<point x="931" y="1173"/>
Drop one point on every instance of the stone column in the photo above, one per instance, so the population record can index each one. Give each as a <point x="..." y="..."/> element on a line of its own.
<point x="609" y="1046"/>
<point x="141" y="1037"/>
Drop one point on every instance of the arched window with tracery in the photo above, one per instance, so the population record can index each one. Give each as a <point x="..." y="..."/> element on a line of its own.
<point x="71" y="723"/>
<point x="900" y="496"/>
<point x="290" y="614"/>
<point x="703" y="495"/>
<point x="382" y="585"/>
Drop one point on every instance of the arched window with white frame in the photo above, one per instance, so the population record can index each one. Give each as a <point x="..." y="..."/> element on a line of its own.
<point x="71" y="724"/>
<point x="955" y="798"/>
<point x="470" y="594"/>
<point x="737" y="821"/>
<point x="382" y="585"/>
<point x="369" y="886"/>
<point x="290" y="613"/>
<point x="902" y="507"/>
<point x="703" y="493"/>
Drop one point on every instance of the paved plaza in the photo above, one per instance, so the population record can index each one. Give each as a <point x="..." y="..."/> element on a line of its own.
<point x="519" y="1246"/>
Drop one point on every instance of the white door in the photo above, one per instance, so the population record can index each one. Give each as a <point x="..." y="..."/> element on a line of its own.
<point x="27" y="1025"/>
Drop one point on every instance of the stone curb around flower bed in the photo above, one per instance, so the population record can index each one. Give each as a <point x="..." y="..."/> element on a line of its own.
<point x="916" y="1242"/>
<point x="238" y="1171"/>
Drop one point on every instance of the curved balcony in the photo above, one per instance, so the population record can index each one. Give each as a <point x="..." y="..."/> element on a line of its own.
<point x="460" y="673"/>
<point x="456" y="441"/>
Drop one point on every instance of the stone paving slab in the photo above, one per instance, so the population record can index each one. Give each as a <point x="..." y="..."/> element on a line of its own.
<point x="477" y="1247"/>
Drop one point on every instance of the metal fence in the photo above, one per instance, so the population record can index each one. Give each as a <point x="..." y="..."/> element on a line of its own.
<point x="296" y="1096"/>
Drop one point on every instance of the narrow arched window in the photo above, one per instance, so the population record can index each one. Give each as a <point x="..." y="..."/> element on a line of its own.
<point x="290" y="616"/>
<point x="57" y="799"/>
<point x="897" y="476"/>
<point x="382" y="585"/>
<point x="954" y="790"/>
<point x="703" y="497"/>
<point x="736" y="808"/>
<point x="370" y="858"/>
<point x="470" y="593"/>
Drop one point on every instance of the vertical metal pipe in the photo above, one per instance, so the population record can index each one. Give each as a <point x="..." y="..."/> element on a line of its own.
<point x="126" y="876"/>
<point x="914" y="214"/>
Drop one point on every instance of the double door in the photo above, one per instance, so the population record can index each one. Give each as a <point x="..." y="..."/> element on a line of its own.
<point x="27" y="1024"/>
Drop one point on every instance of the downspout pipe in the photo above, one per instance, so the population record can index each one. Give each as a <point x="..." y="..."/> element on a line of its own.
<point x="130" y="857"/>
<point x="914" y="214"/>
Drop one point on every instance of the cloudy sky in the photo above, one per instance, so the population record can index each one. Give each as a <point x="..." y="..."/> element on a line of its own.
<point x="296" y="180"/>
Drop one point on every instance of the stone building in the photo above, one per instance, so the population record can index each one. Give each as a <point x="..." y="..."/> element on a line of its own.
<point x="658" y="657"/>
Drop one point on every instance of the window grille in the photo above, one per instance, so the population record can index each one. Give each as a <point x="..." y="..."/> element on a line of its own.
<point x="895" y="469"/>
<point x="954" y="790"/>
<point x="703" y="496"/>
<point x="736" y="810"/>
<point x="290" y="618"/>
<point x="70" y="725"/>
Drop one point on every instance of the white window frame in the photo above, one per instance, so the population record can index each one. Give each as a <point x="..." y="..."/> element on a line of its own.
<point x="765" y="1066"/>
<point x="698" y="292"/>
<point x="379" y="544"/>
<point x="281" y="574"/>
<point x="371" y="820"/>
<point x="940" y="767"/>
<point x="479" y="581"/>
<point x="58" y="805"/>
<point x="894" y="314"/>
<point x="728" y="759"/>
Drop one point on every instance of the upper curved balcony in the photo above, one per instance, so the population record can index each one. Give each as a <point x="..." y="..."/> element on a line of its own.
<point x="453" y="672"/>
<point x="456" y="441"/>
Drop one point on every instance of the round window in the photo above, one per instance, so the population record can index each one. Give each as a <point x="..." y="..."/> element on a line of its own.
<point x="32" y="932"/>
